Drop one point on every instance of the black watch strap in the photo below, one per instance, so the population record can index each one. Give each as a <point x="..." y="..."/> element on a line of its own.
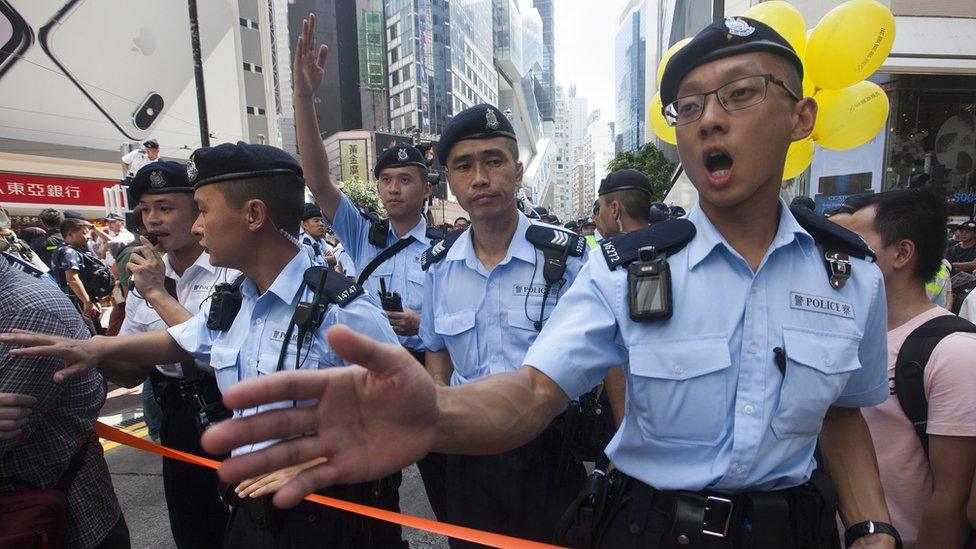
<point x="868" y="528"/>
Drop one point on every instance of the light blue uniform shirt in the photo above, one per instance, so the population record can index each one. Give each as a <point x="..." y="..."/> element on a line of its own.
<point x="402" y="272"/>
<point x="707" y="406"/>
<point x="485" y="319"/>
<point x="251" y="347"/>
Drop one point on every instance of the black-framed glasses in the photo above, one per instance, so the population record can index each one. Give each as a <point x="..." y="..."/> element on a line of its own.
<point x="738" y="94"/>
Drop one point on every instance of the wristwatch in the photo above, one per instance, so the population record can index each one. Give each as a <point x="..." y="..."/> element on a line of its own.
<point x="869" y="527"/>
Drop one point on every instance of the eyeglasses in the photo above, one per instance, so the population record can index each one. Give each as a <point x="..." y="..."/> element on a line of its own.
<point x="738" y="94"/>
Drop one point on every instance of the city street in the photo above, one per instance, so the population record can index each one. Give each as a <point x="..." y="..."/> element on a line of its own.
<point x="137" y="477"/>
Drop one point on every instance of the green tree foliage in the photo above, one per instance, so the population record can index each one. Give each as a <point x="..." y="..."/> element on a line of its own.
<point x="651" y="162"/>
<point x="363" y="195"/>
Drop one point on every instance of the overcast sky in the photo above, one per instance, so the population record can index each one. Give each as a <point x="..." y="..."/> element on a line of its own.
<point x="585" y="31"/>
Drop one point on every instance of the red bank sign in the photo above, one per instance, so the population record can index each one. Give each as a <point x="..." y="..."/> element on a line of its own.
<point x="52" y="189"/>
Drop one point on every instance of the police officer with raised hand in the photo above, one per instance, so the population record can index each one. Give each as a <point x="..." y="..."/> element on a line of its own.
<point x="749" y="331"/>
<point x="386" y="252"/>
<point x="312" y="235"/>
<point x="169" y="291"/>
<point x="250" y="199"/>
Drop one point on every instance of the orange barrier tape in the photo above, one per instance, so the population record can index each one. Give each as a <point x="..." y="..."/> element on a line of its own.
<point x="460" y="532"/>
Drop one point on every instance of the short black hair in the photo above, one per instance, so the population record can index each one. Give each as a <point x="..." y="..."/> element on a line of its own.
<point x="462" y="218"/>
<point x="71" y="225"/>
<point x="916" y="215"/>
<point x="51" y="218"/>
<point x="636" y="203"/>
<point x="284" y="195"/>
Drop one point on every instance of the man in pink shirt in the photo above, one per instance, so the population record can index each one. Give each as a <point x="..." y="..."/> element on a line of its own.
<point x="926" y="495"/>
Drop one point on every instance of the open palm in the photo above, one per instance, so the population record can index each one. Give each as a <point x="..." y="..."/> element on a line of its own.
<point x="309" y="66"/>
<point x="370" y="420"/>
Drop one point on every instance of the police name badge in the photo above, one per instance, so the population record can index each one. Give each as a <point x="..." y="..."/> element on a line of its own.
<point x="402" y="155"/>
<point x="819" y="304"/>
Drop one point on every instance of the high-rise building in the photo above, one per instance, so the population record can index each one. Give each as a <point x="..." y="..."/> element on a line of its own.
<point x="261" y="77"/>
<point x="439" y="55"/>
<point x="592" y="158"/>
<point x="629" y="71"/>
<point x="563" y="169"/>
<point x="545" y="89"/>
<point x="353" y="94"/>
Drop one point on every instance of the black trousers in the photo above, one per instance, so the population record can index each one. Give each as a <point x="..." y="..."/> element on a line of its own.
<point x="519" y="493"/>
<point x="638" y="516"/>
<point x="197" y="516"/>
<point x="433" y="468"/>
<point x="256" y="522"/>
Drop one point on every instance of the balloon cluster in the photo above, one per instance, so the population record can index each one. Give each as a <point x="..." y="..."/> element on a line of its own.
<point x="846" y="46"/>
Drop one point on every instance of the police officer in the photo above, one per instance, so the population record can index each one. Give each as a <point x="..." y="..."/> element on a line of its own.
<point x="748" y="330"/>
<point x="250" y="199"/>
<point x="489" y="290"/>
<point x="625" y="198"/>
<point x="386" y="252"/>
<point x="169" y="291"/>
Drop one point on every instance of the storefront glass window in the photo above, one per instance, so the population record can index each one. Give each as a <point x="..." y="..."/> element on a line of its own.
<point x="932" y="130"/>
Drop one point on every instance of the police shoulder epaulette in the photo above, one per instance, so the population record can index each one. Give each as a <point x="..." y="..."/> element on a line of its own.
<point x="666" y="236"/>
<point x="554" y="238"/>
<point x="435" y="234"/>
<point x="437" y="252"/>
<point x="831" y="236"/>
<point x="338" y="289"/>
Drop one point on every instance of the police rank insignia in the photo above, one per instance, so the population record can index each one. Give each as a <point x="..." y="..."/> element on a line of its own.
<point x="156" y="180"/>
<point x="491" y="121"/>
<point x="191" y="171"/>
<point x="738" y="27"/>
<point x="402" y="155"/>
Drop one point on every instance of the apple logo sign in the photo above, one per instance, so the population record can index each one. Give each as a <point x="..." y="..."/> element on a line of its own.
<point x="145" y="41"/>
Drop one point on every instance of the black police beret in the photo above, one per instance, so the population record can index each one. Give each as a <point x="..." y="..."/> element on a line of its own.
<point x="731" y="36"/>
<point x="624" y="180"/>
<point x="311" y="210"/>
<point x="659" y="211"/>
<point x="967" y="225"/>
<point x="159" y="177"/>
<point x="588" y="222"/>
<point x="241" y="161"/>
<point x="399" y="156"/>
<point x="571" y="225"/>
<point x="482" y="121"/>
<point x="677" y="211"/>
<point x="541" y="210"/>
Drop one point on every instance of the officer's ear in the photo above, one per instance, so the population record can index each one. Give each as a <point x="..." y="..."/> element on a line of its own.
<point x="256" y="213"/>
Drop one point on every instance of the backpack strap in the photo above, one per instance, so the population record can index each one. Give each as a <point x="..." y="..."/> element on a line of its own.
<point x="669" y="236"/>
<point x="838" y="244"/>
<point x="910" y="365"/>
<point x="437" y="252"/>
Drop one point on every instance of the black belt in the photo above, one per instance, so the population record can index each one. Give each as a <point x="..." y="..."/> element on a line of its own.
<point x="750" y="519"/>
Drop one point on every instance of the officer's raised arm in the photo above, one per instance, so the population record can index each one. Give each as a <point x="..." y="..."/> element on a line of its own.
<point x="308" y="68"/>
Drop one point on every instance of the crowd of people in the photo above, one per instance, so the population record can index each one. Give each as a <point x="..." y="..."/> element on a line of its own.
<point x="750" y="373"/>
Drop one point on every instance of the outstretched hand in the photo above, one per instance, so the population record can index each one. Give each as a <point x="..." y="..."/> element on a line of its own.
<point x="308" y="67"/>
<point x="79" y="355"/>
<point x="371" y="419"/>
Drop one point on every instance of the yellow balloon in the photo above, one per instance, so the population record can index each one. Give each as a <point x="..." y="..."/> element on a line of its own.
<point x="799" y="156"/>
<point x="808" y="87"/>
<point x="849" y="43"/>
<point x="667" y="56"/>
<point x="785" y="19"/>
<point x="658" y="123"/>
<point x="850" y="117"/>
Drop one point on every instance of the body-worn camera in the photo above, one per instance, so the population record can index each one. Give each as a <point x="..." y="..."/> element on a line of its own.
<point x="649" y="286"/>
<point x="210" y="415"/>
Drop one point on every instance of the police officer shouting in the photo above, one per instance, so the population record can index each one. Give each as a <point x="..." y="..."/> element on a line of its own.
<point x="386" y="252"/>
<point x="170" y="291"/>
<point x="271" y="320"/>
<point x="747" y="330"/>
